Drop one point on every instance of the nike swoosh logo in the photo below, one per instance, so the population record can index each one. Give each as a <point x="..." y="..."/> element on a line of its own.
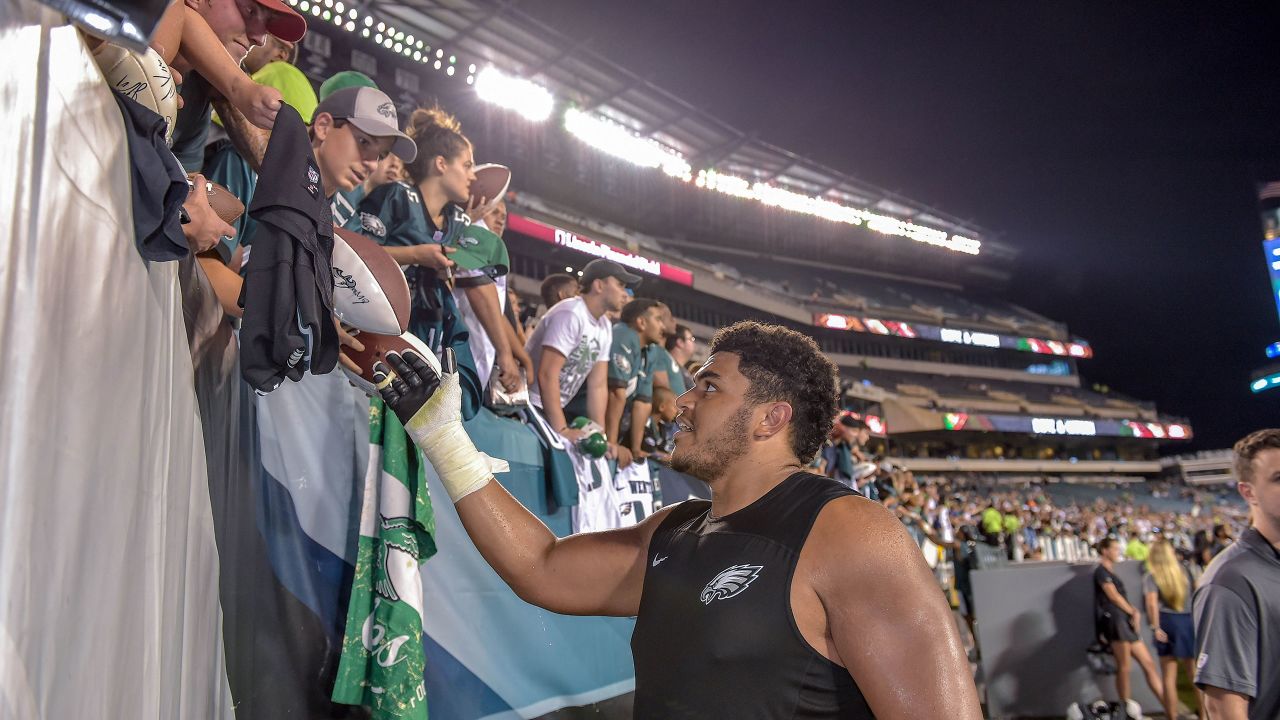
<point x="658" y="560"/>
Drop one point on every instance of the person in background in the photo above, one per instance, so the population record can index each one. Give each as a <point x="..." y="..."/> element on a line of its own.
<point x="1221" y="539"/>
<point x="272" y="49"/>
<point x="1010" y="525"/>
<point x="557" y="287"/>
<point x="1137" y="548"/>
<point x="185" y="39"/>
<point x="1237" y="606"/>
<point x="838" y="453"/>
<point x="389" y="170"/>
<point x="422" y="222"/>
<point x="344" y="79"/>
<point x="238" y="26"/>
<point x="1118" y="621"/>
<point x="630" y="378"/>
<point x="345" y="202"/>
<point x="496" y="220"/>
<point x="515" y="310"/>
<point x="480" y="290"/>
<point x="570" y="348"/>
<point x="664" y="405"/>
<point x="1166" y="593"/>
<point x="992" y="524"/>
<point x="680" y="346"/>
<point x="660" y="361"/>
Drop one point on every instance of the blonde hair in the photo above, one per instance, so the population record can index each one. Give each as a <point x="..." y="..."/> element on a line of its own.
<point x="1171" y="579"/>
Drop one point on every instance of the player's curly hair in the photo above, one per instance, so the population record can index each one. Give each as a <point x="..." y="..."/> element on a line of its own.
<point x="783" y="365"/>
<point x="437" y="134"/>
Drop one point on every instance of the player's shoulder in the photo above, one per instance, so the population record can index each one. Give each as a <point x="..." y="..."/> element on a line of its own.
<point x="854" y="521"/>
<point x="673" y="517"/>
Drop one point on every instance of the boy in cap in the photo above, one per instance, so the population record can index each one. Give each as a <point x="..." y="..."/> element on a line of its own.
<point x="351" y="131"/>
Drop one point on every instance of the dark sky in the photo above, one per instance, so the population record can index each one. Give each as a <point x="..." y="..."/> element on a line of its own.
<point x="1115" y="144"/>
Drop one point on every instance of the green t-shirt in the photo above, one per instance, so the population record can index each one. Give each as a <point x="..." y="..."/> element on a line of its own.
<point x="1136" y="550"/>
<point x="992" y="522"/>
<point x="628" y="364"/>
<point x="1012" y="524"/>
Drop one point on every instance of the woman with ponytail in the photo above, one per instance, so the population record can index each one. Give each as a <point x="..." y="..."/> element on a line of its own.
<point x="1166" y="590"/>
<point x="1118" y="621"/>
<point x="420" y="222"/>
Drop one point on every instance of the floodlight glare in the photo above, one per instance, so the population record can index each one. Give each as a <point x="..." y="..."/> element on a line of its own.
<point x="530" y="99"/>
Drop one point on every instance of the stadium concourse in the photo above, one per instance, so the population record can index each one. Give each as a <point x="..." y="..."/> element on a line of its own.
<point x="239" y="538"/>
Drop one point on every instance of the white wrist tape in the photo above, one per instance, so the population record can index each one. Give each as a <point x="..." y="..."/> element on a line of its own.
<point x="437" y="429"/>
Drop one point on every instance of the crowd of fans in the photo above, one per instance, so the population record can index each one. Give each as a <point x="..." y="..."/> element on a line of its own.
<point x="594" y="358"/>
<point x="593" y="370"/>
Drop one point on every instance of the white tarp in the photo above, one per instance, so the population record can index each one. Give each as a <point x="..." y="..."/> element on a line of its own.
<point x="108" y="569"/>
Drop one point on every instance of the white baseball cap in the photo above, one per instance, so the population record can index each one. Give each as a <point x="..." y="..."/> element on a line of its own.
<point x="370" y="110"/>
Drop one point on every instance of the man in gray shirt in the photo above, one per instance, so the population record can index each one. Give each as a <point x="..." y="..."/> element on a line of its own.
<point x="1237" y="607"/>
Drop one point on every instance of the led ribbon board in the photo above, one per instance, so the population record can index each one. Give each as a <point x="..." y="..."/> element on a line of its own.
<point x="573" y="241"/>
<point x="1077" y="427"/>
<point x="974" y="338"/>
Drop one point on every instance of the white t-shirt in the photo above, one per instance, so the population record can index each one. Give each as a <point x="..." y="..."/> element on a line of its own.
<point x="584" y="340"/>
<point x="482" y="350"/>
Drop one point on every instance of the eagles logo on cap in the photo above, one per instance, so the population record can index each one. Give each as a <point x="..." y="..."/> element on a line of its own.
<point x="372" y="112"/>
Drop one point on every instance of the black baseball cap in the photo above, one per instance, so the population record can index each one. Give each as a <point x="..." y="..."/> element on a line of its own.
<point x="601" y="269"/>
<point x="850" y="421"/>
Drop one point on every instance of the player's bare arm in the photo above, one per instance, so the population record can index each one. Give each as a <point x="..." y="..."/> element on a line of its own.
<point x="878" y="611"/>
<point x="586" y="574"/>
<point x="598" y="573"/>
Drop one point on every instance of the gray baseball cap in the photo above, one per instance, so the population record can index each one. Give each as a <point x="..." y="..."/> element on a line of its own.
<point x="600" y="269"/>
<point x="372" y="112"/>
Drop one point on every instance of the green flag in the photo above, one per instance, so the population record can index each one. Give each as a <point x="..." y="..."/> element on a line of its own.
<point x="382" y="657"/>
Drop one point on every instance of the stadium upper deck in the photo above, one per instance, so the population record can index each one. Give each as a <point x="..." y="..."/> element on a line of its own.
<point x="905" y="297"/>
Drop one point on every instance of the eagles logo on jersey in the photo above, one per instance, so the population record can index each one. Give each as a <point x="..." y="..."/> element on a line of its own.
<point x="373" y="225"/>
<point x="730" y="582"/>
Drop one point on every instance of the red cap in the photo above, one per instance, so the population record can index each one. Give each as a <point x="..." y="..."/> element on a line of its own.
<point x="285" y="22"/>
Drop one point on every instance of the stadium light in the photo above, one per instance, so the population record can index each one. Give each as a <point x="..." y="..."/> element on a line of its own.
<point x="527" y="98"/>
<point x="616" y="140"/>
<point x="833" y="211"/>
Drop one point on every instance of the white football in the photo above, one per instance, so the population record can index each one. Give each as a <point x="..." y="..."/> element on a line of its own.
<point x="369" y="289"/>
<point x="144" y="77"/>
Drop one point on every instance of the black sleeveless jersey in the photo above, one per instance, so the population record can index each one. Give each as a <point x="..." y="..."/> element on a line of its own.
<point x="715" y="637"/>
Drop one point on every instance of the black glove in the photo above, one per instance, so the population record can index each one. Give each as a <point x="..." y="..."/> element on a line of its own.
<point x="413" y="381"/>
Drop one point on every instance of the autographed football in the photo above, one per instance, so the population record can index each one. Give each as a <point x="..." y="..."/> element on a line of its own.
<point x="369" y="289"/>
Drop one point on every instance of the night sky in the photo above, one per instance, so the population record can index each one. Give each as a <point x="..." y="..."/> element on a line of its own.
<point x="1116" y="145"/>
